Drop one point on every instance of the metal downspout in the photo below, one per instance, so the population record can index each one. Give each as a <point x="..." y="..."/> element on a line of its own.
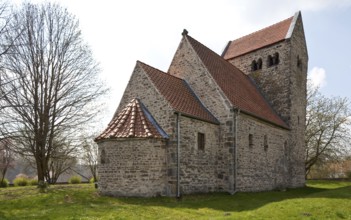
<point x="178" y="155"/>
<point x="235" y="158"/>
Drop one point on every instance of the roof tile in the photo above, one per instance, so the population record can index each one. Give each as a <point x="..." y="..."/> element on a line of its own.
<point x="267" y="36"/>
<point x="238" y="87"/>
<point x="133" y="121"/>
<point x="179" y="94"/>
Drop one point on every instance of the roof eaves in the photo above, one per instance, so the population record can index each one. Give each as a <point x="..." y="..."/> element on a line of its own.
<point x="153" y="121"/>
<point x="215" y="120"/>
<point x="268" y="45"/>
<point x="263" y="119"/>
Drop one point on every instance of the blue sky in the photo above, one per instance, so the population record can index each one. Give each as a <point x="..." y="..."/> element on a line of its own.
<point x="122" y="32"/>
<point x="328" y="36"/>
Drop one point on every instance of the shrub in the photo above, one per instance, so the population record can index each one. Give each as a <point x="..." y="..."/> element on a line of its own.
<point x="4" y="183"/>
<point x="92" y="180"/>
<point x="21" y="181"/>
<point x="75" y="180"/>
<point x="33" y="182"/>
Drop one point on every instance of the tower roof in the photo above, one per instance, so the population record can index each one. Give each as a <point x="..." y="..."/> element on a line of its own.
<point x="238" y="87"/>
<point x="134" y="121"/>
<point x="179" y="94"/>
<point x="259" y="39"/>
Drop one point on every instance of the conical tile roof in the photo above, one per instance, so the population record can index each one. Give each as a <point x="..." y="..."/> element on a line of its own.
<point x="134" y="121"/>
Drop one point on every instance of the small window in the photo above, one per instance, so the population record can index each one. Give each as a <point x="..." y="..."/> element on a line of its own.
<point x="250" y="140"/>
<point x="276" y="59"/>
<point x="285" y="148"/>
<point x="259" y="64"/>
<point x="299" y="63"/>
<point x="103" y="156"/>
<point x="298" y="120"/>
<point x="254" y="65"/>
<point x="269" y="61"/>
<point x="201" y="141"/>
<point x="265" y="142"/>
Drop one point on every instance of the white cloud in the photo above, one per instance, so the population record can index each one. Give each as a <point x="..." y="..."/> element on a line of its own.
<point x="318" y="77"/>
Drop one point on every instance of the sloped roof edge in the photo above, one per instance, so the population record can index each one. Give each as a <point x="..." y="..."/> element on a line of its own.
<point x="238" y="97"/>
<point x="179" y="94"/>
<point x="133" y="121"/>
<point x="292" y="25"/>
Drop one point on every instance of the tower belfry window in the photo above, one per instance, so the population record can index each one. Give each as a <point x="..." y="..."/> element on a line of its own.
<point x="276" y="59"/>
<point x="259" y="64"/>
<point x="269" y="61"/>
<point x="254" y="65"/>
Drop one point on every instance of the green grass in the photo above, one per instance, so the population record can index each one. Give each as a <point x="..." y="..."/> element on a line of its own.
<point x="320" y="200"/>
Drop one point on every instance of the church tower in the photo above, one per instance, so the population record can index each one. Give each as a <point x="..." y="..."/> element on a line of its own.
<point x="276" y="58"/>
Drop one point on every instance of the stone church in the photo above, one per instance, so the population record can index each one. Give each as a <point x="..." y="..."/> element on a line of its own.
<point x="212" y="123"/>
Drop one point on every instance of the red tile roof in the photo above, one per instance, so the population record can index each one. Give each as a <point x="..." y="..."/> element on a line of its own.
<point x="238" y="87"/>
<point x="179" y="94"/>
<point x="133" y="121"/>
<point x="267" y="36"/>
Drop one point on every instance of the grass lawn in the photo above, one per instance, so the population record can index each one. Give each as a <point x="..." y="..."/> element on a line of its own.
<point x="320" y="200"/>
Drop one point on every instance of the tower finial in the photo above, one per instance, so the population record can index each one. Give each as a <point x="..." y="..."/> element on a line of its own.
<point x="185" y="32"/>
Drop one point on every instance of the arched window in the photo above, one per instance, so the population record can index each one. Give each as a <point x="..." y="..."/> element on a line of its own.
<point x="269" y="61"/>
<point x="254" y="65"/>
<point x="259" y="64"/>
<point x="276" y="59"/>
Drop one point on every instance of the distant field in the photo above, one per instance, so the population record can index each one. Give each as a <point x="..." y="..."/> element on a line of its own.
<point x="320" y="200"/>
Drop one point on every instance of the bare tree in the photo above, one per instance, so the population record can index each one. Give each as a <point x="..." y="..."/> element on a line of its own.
<point x="327" y="128"/>
<point x="63" y="158"/>
<point x="53" y="81"/>
<point x="90" y="156"/>
<point x="6" y="158"/>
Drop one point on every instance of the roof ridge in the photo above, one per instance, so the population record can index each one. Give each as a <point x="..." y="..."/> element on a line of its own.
<point x="263" y="29"/>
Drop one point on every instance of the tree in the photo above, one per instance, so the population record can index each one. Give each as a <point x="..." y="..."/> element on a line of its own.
<point x="52" y="80"/>
<point x="327" y="128"/>
<point x="62" y="159"/>
<point x="90" y="156"/>
<point x="6" y="158"/>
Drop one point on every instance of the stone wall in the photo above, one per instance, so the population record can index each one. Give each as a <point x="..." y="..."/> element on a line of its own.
<point x="263" y="164"/>
<point x="187" y="65"/>
<point x="299" y="65"/>
<point x="273" y="81"/>
<point x="198" y="167"/>
<point x="140" y="86"/>
<point x="133" y="167"/>
<point x="284" y="86"/>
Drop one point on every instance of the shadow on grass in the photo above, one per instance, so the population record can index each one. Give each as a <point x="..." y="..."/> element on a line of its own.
<point x="240" y="201"/>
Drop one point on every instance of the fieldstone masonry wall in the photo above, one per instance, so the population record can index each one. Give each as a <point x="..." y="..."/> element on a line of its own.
<point x="261" y="167"/>
<point x="133" y="167"/>
<point x="284" y="86"/>
<point x="198" y="167"/>
<point x="187" y="65"/>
